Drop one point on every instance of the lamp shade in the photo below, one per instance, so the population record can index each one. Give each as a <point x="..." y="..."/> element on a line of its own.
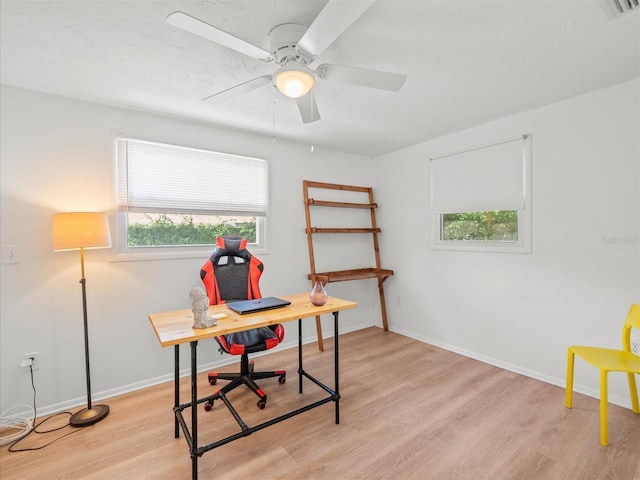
<point x="72" y="231"/>
<point x="294" y="80"/>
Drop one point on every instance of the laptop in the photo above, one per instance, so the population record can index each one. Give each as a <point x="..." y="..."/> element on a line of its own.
<point x="257" y="304"/>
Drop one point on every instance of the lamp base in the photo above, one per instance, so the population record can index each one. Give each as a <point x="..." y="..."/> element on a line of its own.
<point x="89" y="416"/>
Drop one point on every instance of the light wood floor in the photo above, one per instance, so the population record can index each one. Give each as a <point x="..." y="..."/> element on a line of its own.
<point x="408" y="411"/>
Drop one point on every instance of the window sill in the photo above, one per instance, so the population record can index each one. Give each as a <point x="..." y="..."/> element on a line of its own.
<point x="177" y="253"/>
<point x="486" y="247"/>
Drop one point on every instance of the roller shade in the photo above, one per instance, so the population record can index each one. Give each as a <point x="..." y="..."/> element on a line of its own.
<point x="486" y="178"/>
<point x="160" y="178"/>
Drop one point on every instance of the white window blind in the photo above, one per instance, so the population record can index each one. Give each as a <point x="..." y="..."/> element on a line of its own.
<point x="160" y="178"/>
<point x="480" y="179"/>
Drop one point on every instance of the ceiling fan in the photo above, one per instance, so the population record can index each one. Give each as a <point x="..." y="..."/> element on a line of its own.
<point x="293" y="48"/>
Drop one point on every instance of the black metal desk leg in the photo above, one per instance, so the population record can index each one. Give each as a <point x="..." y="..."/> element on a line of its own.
<point x="176" y="386"/>
<point x="300" y="353"/>
<point x="194" y="410"/>
<point x="336" y="364"/>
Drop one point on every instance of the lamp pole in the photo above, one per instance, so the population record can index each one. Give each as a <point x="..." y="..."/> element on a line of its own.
<point x="83" y="282"/>
<point x="90" y="415"/>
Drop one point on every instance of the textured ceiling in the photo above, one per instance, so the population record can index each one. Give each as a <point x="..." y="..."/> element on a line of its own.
<point x="468" y="62"/>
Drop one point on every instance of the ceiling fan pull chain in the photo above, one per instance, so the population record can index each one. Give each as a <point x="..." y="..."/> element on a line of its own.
<point x="274" y="140"/>
<point x="312" y="126"/>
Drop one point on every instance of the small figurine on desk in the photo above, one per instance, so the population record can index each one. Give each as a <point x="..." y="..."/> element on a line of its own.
<point x="200" y="303"/>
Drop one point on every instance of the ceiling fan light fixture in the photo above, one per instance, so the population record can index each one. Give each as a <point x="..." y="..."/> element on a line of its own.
<point x="294" y="80"/>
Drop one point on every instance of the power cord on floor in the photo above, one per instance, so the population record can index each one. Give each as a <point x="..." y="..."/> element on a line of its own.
<point x="14" y="426"/>
<point x="25" y="424"/>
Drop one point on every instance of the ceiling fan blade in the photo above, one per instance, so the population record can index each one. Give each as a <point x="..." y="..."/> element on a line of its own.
<point x="364" y="77"/>
<point x="308" y="108"/>
<point x="240" y="89"/>
<point x="204" y="30"/>
<point x="333" y="20"/>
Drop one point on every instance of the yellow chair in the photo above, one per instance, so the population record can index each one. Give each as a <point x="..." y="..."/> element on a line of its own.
<point x="609" y="360"/>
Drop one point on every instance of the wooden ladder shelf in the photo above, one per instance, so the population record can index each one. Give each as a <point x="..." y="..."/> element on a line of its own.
<point x="344" y="275"/>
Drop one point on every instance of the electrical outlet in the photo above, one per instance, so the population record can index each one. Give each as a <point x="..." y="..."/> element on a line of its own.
<point x="30" y="359"/>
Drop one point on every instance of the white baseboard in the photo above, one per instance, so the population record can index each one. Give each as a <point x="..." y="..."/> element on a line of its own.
<point x="228" y="360"/>
<point x="559" y="382"/>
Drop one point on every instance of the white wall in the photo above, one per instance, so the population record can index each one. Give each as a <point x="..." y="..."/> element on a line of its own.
<point x="57" y="155"/>
<point x="521" y="311"/>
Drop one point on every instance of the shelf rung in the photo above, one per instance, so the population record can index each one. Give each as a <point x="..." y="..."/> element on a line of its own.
<point x="345" y="275"/>
<point x="335" y="186"/>
<point x="325" y="203"/>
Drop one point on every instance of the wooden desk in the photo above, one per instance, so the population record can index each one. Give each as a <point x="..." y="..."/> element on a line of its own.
<point x="174" y="328"/>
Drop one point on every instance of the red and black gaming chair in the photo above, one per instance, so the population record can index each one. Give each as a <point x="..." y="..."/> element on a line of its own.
<point x="232" y="273"/>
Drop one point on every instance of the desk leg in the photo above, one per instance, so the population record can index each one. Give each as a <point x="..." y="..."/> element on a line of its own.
<point x="336" y="364"/>
<point x="300" y="353"/>
<point x="176" y="386"/>
<point x="194" y="410"/>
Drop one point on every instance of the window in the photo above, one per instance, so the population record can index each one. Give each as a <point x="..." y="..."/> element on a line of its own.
<point x="175" y="201"/>
<point x="495" y="226"/>
<point x="480" y="198"/>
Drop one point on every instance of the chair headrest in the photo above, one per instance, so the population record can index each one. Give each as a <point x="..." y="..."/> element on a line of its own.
<point x="230" y="246"/>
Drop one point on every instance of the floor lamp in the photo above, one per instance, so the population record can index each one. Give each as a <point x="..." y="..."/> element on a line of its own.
<point x="80" y="231"/>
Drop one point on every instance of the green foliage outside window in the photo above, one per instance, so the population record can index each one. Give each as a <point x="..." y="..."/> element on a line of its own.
<point x="493" y="226"/>
<point x="164" y="231"/>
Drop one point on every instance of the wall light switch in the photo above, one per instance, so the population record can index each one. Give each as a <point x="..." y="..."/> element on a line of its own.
<point x="11" y="254"/>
